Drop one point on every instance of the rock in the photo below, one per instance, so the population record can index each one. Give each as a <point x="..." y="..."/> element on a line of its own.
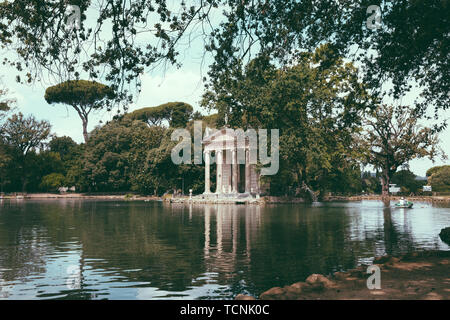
<point x="318" y="281"/>
<point x="294" y="291"/>
<point x="244" y="297"/>
<point x="275" y="293"/>
<point x="299" y="286"/>
<point x="445" y="235"/>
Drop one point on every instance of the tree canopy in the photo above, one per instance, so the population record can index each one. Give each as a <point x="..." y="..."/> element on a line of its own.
<point x="118" y="40"/>
<point x="393" y="137"/>
<point x="84" y="96"/>
<point x="20" y="139"/>
<point x="440" y="179"/>
<point x="177" y="114"/>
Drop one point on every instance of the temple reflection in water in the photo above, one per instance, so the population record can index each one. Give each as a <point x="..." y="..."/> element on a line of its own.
<point x="228" y="233"/>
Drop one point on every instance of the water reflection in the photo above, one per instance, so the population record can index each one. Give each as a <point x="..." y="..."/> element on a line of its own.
<point x="137" y="250"/>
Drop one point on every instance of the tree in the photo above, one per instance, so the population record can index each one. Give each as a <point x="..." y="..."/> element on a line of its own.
<point x="410" y="45"/>
<point x="6" y="104"/>
<point x="64" y="146"/>
<point x="435" y="169"/>
<point x="177" y="114"/>
<point x="52" y="182"/>
<point x="407" y="181"/>
<point x="370" y="183"/>
<point x="84" y="96"/>
<point x="440" y="179"/>
<point x="392" y="138"/>
<point x="24" y="135"/>
<point x="114" y="156"/>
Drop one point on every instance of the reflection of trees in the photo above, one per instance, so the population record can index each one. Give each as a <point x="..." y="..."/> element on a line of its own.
<point x="390" y="233"/>
<point x="298" y="241"/>
<point x="395" y="241"/>
<point x="23" y="243"/>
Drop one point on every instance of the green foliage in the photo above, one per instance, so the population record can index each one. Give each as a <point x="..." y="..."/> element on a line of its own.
<point x="440" y="179"/>
<point x="393" y="137"/>
<point x="317" y="104"/>
<point x="114" y="155"/>
<point x="25" y="133"/>
<point x="370" y="184"/>
<point x="82" y="95"/>
<point x="177" y="114"/>
<point x="52" y="182"/>
<point x="407" y="181"/>
<point x="435" y="169"/>
<point x="412" y="43"/>
<point x="64" y="146"/>
<point x="6" y="104"/>
<point x="78" y="93"/>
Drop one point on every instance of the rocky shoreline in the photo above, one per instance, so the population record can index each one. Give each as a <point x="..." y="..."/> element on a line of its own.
<point x="416" y="276"/>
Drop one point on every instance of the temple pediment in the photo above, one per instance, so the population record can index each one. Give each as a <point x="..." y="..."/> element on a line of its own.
<point x="225" y="139"/>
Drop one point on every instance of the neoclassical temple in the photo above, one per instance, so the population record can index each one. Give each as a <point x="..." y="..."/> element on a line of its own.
<point x="235" y="161"/>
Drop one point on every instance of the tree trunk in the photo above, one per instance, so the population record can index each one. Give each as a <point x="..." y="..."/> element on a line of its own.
<point x="85" y="133"/>
<point x="24" y="185"/>
<point x="385" y="184"/>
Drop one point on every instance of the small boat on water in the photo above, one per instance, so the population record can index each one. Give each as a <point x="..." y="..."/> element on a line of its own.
<point x="404" y="204"/>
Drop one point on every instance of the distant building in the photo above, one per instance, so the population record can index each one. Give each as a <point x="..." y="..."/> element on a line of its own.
<point x="394" y="189"/>
<point x="427" y="189"/>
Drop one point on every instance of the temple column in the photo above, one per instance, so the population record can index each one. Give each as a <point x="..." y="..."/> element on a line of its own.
<point x="207" y="172"/>
<point x="247" y="171"/>
<point x="219" y="160"/>
<point x="235" y="172"/>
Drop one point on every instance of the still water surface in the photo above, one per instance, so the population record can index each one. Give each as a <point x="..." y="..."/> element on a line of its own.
<point x="83" y="249"/>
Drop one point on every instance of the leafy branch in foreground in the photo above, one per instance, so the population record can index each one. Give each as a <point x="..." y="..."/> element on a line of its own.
<point x="119" y="40"/>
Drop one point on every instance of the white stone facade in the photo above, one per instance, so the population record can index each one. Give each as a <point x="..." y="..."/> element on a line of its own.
<point x="232" y="153"/>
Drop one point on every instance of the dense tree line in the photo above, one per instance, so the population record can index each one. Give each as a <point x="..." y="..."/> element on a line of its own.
<point x="125" y="154"/>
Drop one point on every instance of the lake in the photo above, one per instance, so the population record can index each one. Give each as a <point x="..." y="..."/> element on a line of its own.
<point x="98" y="249"/>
